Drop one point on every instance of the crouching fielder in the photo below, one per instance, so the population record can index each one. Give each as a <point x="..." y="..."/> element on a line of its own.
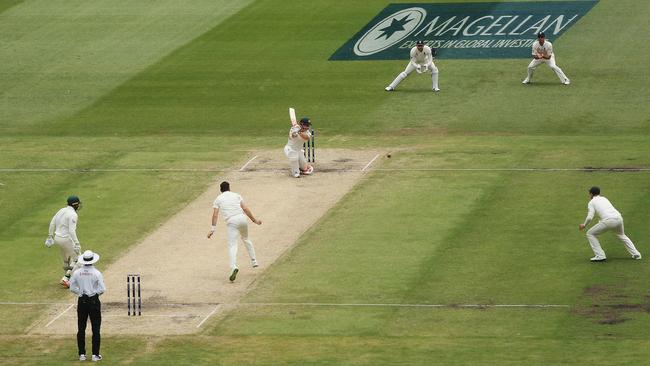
<point x="421" y="61"/>
<point x="235" y="212"/>
<point x="298" y="135"/>
<point x="610" y="220"/>
<point x="543" y="54"/>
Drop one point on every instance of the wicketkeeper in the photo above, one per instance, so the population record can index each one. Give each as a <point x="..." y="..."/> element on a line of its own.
<point x="63" y="233"/>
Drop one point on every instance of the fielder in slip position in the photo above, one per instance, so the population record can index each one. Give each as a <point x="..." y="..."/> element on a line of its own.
<point x="421" y="61"/>
<point x="235" y="212"/>
<point x="298" y="135"/>
<point x="610" y="220"/>
<point x="63" y="233"/>
<point x="543" y="54"/>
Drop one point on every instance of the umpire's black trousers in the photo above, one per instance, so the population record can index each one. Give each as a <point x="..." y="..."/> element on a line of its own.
<point x="89" y="306"/>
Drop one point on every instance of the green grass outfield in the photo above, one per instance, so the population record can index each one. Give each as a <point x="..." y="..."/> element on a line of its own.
<point x="157" y="85"/>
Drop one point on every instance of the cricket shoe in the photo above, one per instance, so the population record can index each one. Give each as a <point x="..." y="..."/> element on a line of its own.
<point x="97" y="358"/>
<point x="598" y="259"/>
<point x="254" y="263"/>
<point x="435" y="90"/>
<point x="65" y="283"/>
<point x="389" y="88"/>
<point x="526" y="81"/>
<point x="296" y="175"/>
<point x="82" y="357"/>
<point x="636" y="256"/>
<point x="566" y="82"/>
<point x="233" y="275"/>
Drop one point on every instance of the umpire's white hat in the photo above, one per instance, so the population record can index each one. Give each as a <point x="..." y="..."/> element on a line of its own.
<point x="88" y="257"/>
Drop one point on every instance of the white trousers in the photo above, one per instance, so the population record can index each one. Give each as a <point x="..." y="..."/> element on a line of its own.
<point x="410" y="68"/>
<point x="69" y="255"/>
<point x="551" y="63"/>
<point x="238" y="227"/>
<point x="616" y="225"/>
<point x="296" y="159"/>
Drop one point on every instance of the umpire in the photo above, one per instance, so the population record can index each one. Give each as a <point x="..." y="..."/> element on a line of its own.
<point x="88" y="283"/>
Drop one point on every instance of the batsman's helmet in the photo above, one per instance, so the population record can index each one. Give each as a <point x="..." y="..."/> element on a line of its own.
<point x="305" y="121"/>
<point x="74" y="200"/>
<point x="594" y="190"/>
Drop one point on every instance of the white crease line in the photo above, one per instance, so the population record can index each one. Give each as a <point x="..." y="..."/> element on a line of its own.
<point x="209" y="315"/>
<point x="248" y="162"/>
<point x="371" y="161"/>
<point x="412" y="305"/>
<point x="53" y="320"/>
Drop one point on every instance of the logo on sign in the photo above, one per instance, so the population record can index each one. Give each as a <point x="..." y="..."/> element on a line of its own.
<point x="462" y="30"/>
<point x="390" y="31"/>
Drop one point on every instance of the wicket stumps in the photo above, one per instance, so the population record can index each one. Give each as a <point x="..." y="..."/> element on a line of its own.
<point x="133" y="302"/>
<point x="310" y="148"/>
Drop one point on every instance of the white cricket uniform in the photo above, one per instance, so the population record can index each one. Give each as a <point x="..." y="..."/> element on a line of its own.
<point x="63" y="228"/>
<point x="294" y="150"/>
<point x="229" y="205"/>
<point x="545" y="50"/>
<point x="422" y="60"/>
<point x="610" y="220"/>
<point x="87" y="281"/>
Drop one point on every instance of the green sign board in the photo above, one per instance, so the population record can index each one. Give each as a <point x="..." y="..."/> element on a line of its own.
<point x="462" y="30"/>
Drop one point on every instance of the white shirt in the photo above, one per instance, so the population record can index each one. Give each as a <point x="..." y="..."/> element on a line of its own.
<point x="64" y="224"/>
<point x="545" y="50"/>
<point x="88" y="281"/>
<point x="229" y="203"/>
<point x="423" y="57"/>
<point x="601" y="206"/>
<point x="295" y="140"/>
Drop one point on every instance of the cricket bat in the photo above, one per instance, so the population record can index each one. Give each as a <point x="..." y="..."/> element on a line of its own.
<point x="292" y="116"/>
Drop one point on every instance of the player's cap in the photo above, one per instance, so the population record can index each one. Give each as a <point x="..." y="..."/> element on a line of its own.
<point x="419" y="43"/>
<point x="594" y="190"/>
<point x="73" y="200"/>
<point x="305" y="121"/>
<point x="541" y="35"/>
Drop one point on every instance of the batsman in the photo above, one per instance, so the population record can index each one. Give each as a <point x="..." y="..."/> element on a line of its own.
<point x="298" y="135"/>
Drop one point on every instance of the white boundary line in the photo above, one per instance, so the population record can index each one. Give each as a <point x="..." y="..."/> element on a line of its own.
<point x="58" y="316"/>
<point x="409" y="305"/>
<point x="216" y="305"/>
<point x="248" y="162"/>
<point x="371" y="161"/>
<point x="206" y="170"/>
<point x="631" y="170"/>
<point x="31" y="303"/>
<point x="208" y="316"/>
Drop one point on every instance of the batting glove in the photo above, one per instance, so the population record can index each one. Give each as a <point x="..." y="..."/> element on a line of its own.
<point x="49" y="241"/>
